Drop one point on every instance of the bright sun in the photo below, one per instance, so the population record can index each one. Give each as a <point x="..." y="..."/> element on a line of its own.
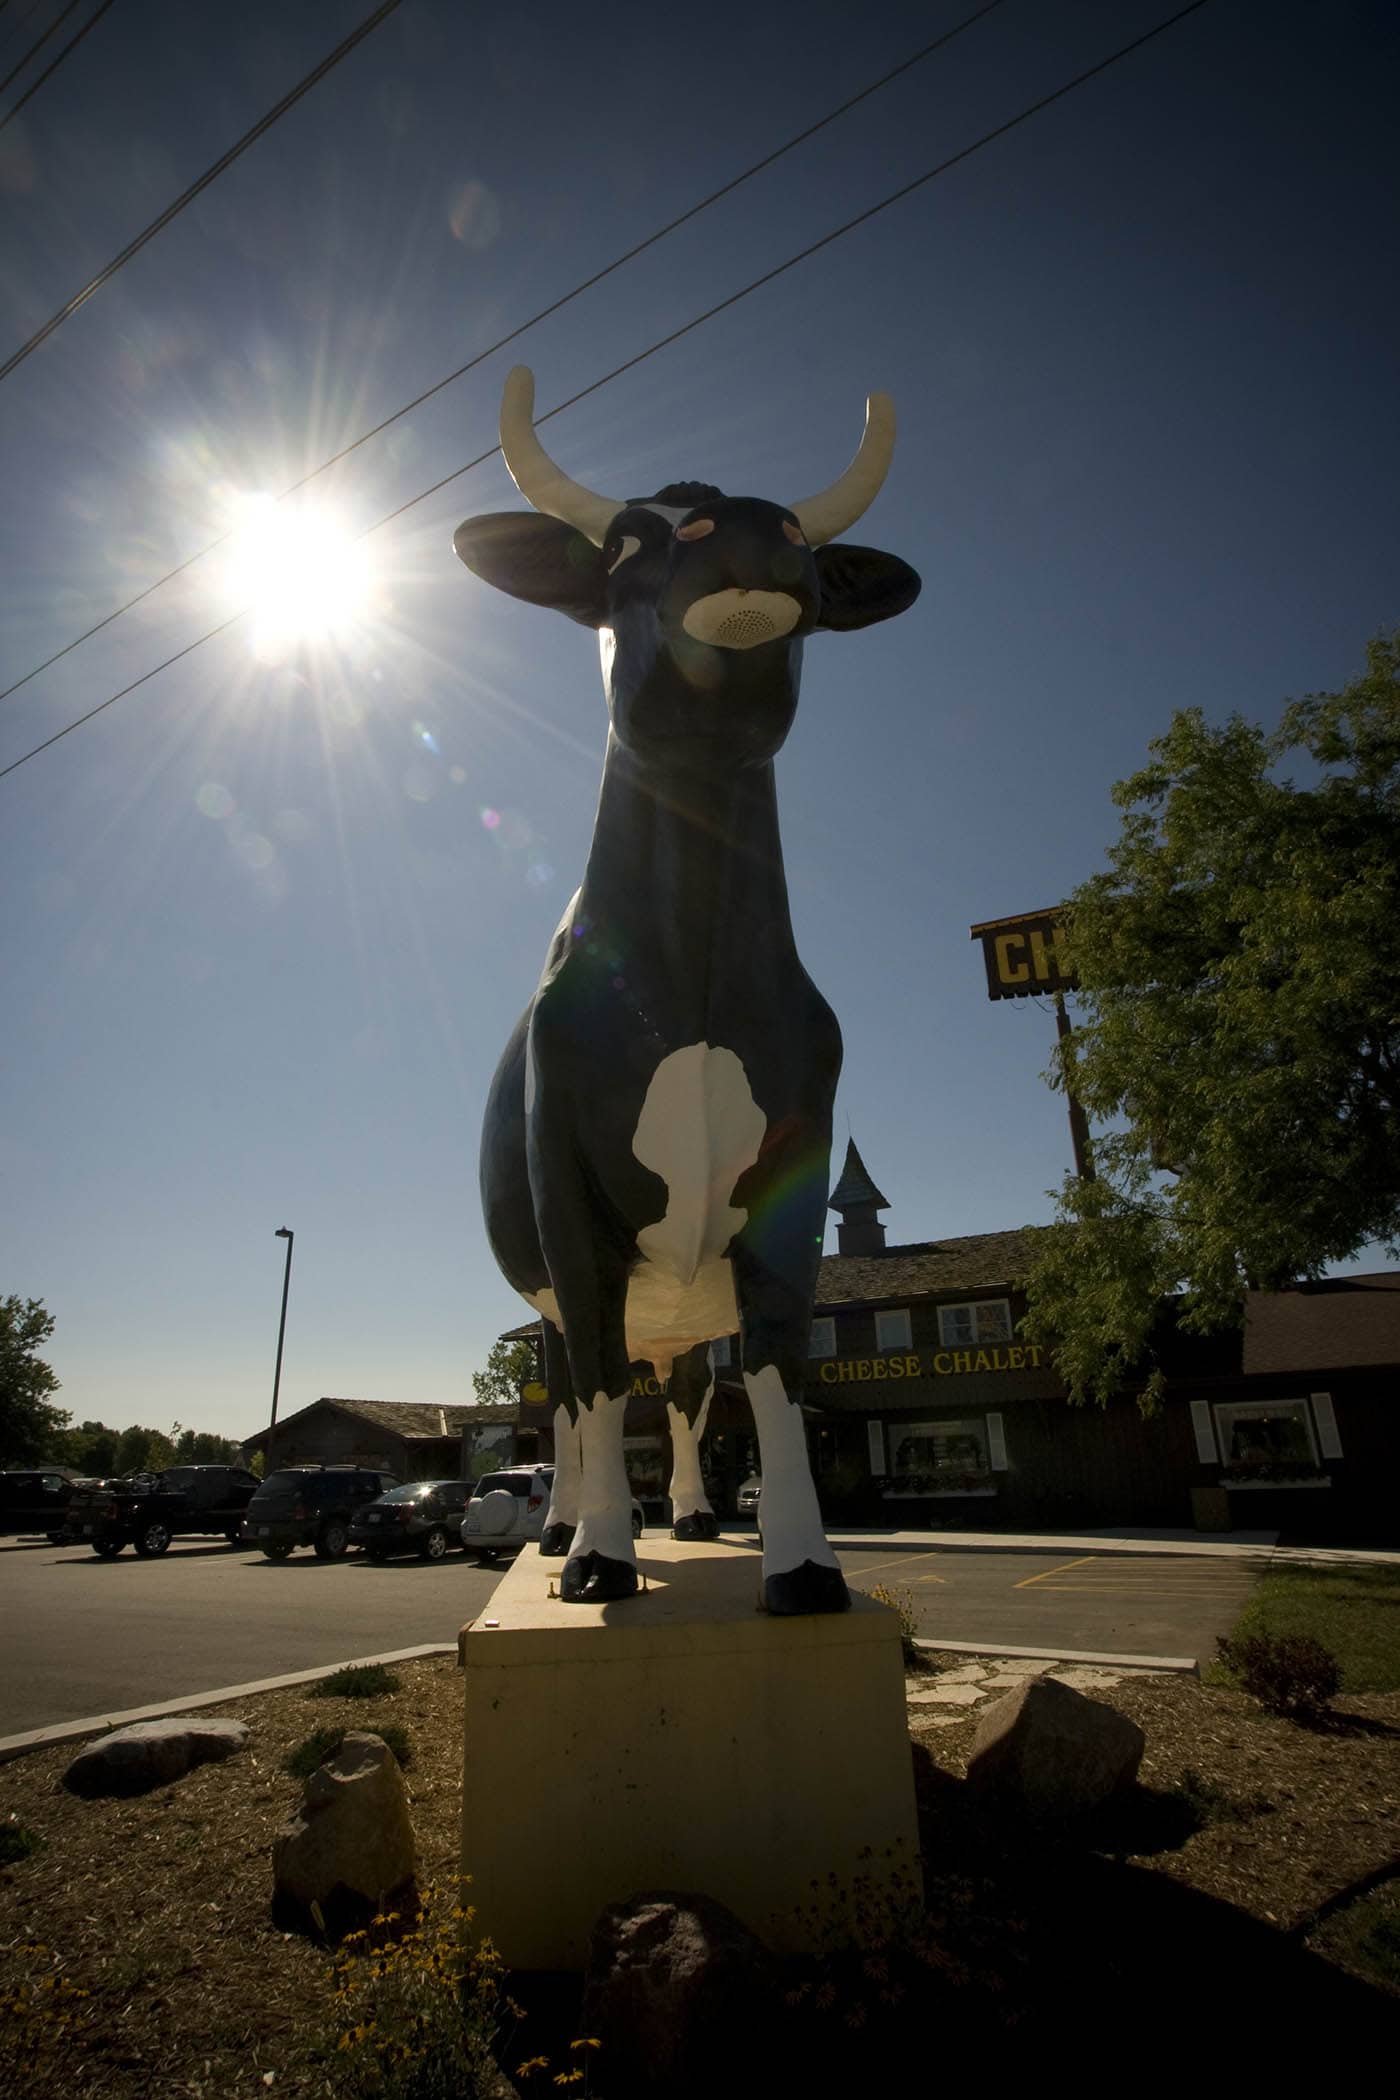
<point x="298" y="571"/>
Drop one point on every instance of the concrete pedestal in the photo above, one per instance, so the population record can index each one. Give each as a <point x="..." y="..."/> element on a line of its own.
<point x="681" y="1739"/>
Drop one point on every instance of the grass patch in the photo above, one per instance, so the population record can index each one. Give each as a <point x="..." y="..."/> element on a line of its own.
<point x="323" y="1743"/>
<point x="17" y="1841"/>
<point x="355" y="1681"/>
<point x="1365" y="1937"/>
<point x="1354" y="1612"/>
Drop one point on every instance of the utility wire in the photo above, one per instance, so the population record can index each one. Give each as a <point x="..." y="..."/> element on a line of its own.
<point x="188" y="196"/>
<point x="36" y="47"/>
<point x="862" y="218"/>
<point x="53" y="65"/>
<point x="501" y="342"/>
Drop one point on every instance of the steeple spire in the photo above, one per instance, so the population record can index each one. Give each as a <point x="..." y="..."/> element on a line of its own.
<point x="856" y="1199"/>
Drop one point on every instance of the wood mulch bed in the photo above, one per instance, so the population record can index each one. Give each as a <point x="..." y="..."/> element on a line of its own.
<point x="158" y="1908"/>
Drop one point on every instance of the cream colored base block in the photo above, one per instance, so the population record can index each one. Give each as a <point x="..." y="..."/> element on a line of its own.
<point x="681" y="1739"/>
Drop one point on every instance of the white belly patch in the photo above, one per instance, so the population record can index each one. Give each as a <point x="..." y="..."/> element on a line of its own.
<point x="700" y="1129"/>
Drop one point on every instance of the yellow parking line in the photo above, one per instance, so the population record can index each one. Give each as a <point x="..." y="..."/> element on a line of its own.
<point x="1061" y="1570"/>
<point x="905" y="1560"/>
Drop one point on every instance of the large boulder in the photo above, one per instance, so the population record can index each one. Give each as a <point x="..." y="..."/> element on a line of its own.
<point x="150" y="1754"/>
<point x="349" y="1851"/>
<point x="677" y="1989"/>
<point x="1052" y="1752"/>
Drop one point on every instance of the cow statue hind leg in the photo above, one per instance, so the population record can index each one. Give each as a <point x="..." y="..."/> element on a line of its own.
<point x="687" y="1405"/>
<point x="561" y="1518"/>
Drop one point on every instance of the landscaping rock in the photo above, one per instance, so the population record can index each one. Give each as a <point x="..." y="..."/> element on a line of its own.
<point x="349" y="1852"/>
<point x="150" y="1754"/>
<point x="1051" y="1751"/>
<point x="675" y="1985"/>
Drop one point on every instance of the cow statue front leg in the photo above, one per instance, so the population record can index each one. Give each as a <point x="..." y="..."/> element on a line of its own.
<point x="687" y="1405"/>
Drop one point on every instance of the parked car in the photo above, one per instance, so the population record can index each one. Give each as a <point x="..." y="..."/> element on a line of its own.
<point x="312" y="1506"/>
<point x="426" y="1515"/>
<point x="31" y="1503"/>
<point x="747" y="1502"/>
<point x="508" y="1510"/>
<point x="148" y="1510"/>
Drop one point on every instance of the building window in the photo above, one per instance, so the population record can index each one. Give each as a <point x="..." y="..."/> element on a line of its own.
<point x="721" y="1352"/>
<point x="939" y="1458"/>
<point x="892" y="1330"/>
<point x="1265" y="1441"/>
<point x="823" y="1341"/>
<point x="975" y="1326"/>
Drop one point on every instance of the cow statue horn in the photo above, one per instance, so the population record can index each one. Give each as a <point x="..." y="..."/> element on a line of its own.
<point x="836" y="509"/>
<point x="544" y="486"/>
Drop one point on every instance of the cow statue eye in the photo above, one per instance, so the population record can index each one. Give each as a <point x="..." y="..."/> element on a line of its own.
<point x="624" y="553"/>
<point x="696" y="530"/>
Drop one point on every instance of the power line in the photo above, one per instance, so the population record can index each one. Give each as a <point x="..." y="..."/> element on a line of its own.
<point x="37" y="46"/>
<point x="54" y="63"/>
<point x="53" y="66"/>
<point x="813" y="248"/>
<point x="225" y="160"/>
<point x="501" y="342"/>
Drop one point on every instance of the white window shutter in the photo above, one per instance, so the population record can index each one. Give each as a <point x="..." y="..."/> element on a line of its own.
<point x="1329" y="1440"/>
<point x="1205" y="1432"/>
<point x="996" y="1443"/>
<point x="875" y="1432"/>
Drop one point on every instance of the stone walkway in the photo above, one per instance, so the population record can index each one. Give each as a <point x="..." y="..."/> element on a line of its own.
<point x="969" y="1683"/>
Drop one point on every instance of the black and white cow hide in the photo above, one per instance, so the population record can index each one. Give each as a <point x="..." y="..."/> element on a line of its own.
<point x="654" y="1164"/>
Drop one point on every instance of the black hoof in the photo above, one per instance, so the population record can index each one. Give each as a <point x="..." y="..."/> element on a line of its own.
<point x="700" y="1524"/>
<point x="806" y="1589"/>
<point x="595" y="1579"/>
<point x="556" y="1539"/>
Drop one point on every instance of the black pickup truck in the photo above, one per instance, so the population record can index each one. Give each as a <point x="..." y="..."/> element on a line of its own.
<point x="151" y="1509"/>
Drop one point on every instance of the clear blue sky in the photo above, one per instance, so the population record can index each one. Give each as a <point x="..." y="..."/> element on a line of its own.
<point x="263" y="937"/>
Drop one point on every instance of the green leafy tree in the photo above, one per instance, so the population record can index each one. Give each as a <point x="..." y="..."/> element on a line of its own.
<point x="92" y="1447"/>
<point x="1239" y="1039"/>
<point x="509" y="1366"/>
<point x="144" y="1451"/>
<point x="30" y="1426"/>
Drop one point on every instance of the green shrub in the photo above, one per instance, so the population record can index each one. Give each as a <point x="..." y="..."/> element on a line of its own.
<point x="1288" y="1673"/>
<point x="902" y="1605"/>
<point x="323" y="1744"/>
<point x="1211" y="1804"/>
<point x="17" y="1841"/>
<point x="355" y="1681"/>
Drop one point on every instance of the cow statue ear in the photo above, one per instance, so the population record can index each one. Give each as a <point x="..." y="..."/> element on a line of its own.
<point x="860" y="586"/>
<point x="541" y="560"/>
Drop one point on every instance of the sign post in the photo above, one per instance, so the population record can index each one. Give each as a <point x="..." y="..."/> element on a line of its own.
<point x="1026" y="958"/>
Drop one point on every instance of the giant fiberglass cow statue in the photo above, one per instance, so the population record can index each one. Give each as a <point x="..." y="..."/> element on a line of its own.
<point x="655" y="1155"/>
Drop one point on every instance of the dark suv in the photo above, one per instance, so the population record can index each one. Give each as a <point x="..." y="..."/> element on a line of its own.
<point x="311" y="1506"/>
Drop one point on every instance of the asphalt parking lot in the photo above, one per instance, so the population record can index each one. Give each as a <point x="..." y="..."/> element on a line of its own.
<point x="84" y="1637"/>
<point x="1117" y="1603"/>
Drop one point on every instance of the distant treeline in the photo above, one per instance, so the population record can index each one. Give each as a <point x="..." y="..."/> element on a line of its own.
<point x="94" y="1448"/>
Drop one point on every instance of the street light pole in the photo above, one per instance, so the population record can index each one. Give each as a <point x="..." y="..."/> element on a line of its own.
<point x="282" y="1233"/>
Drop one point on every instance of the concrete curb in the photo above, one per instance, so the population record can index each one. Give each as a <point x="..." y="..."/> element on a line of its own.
<point x="1182" y="1665"/>
<point x="12" y="1746"/>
